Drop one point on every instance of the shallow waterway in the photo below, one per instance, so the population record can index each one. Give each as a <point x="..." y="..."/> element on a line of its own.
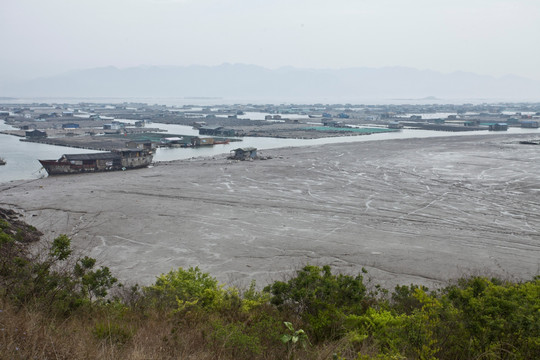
<point x="22" y="157"/>
<point x="262" y="143"/>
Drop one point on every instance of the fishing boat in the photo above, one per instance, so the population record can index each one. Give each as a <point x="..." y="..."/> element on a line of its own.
<point x="2" y="161"/>
<point x="122" y="159"/>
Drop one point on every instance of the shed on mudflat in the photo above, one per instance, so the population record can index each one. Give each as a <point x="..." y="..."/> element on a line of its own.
<point x="35" y="134"/>
<point x="498" y="127"/>
<point x="244" y="153"/>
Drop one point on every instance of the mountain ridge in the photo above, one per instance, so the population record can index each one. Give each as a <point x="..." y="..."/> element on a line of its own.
<point x="241" y="80"/>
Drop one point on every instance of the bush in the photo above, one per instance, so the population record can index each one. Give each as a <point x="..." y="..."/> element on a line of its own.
<point x="403" y="299"/>
<point x="48" y="280"/>
<point x="320" y="298"/>
<point x="475" y="318"/>
<point x="502" y="320"/>
<point x="179" y="288"/>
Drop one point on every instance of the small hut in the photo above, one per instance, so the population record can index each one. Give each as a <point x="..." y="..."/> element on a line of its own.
<point x="35" y="134"/>
<point x="244" y="153"/>
<point x="498" y="127"/>
<point x="197" y="141"/>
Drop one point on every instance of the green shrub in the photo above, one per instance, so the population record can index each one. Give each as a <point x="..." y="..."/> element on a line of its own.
<point x="477" y="318"/>
<point x="403" y="299"/>
<point x="182" y="287"/>
<point x="252" y="298"/>
<point x="380" y="328"/>
<point x="94" y="284"/>
<point x="61" y="248"/>
<point x="502" y="320"/>
<point x="320" y="298"/>
<point x="48" y="280"/>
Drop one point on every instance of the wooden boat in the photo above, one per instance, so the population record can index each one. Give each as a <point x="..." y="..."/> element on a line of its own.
<point x="217" y="142"/>
<point x="122" y="159"/>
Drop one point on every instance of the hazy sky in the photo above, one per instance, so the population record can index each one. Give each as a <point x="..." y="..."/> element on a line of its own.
<point x="492" y="37"/>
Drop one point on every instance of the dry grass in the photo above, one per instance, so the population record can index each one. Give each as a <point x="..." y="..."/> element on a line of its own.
<point x="29" y="334"/>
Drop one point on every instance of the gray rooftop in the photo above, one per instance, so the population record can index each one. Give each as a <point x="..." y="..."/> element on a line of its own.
<point x="96" y="156"/>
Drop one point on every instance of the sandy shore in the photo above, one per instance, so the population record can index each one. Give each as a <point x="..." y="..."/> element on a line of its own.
<point x="417" y="210"/>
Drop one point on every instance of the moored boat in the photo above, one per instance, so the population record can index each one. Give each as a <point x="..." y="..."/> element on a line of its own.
<point x="122" y="159"/>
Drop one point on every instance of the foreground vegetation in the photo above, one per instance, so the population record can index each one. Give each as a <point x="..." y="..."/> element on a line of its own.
<point x="55" y="305"/>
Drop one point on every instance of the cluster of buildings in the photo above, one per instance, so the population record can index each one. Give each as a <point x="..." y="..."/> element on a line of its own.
<point x="233" y="120"/>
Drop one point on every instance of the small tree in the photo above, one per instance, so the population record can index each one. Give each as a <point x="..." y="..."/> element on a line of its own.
<point x="93" y="283"/>
<point x="49" y="280"/>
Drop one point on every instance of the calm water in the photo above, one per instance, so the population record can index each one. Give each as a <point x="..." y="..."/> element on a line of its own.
<point x="22" y="157"/>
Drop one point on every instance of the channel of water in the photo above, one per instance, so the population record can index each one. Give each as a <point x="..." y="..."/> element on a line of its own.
<point x="22" y="157"/>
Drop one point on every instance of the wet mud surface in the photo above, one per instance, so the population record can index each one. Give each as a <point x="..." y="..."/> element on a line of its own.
<point x="409" y="211"/>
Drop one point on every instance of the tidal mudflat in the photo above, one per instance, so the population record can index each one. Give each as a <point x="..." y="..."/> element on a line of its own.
<point x="409" y="211"/>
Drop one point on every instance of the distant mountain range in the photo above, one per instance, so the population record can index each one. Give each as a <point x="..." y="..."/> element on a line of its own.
<point x="248" y="81"/>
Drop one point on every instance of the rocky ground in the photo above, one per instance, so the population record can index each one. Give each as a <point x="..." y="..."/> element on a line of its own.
<point x="417" y="210"/>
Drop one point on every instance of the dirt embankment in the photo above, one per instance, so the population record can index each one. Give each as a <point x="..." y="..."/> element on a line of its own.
<point x="11" y="224"/>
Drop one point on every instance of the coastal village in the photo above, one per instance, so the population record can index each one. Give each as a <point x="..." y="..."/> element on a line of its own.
<point x="109" y="127"/>
<point x="128" y="134"/>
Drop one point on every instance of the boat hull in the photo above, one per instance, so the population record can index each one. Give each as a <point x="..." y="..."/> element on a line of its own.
<point x="63" y="167"/>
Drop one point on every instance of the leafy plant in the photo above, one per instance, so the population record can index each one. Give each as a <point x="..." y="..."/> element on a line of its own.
<point x="61" y="248"/>
<point x="94" y="283"/>
<point x="294" y="338"/>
